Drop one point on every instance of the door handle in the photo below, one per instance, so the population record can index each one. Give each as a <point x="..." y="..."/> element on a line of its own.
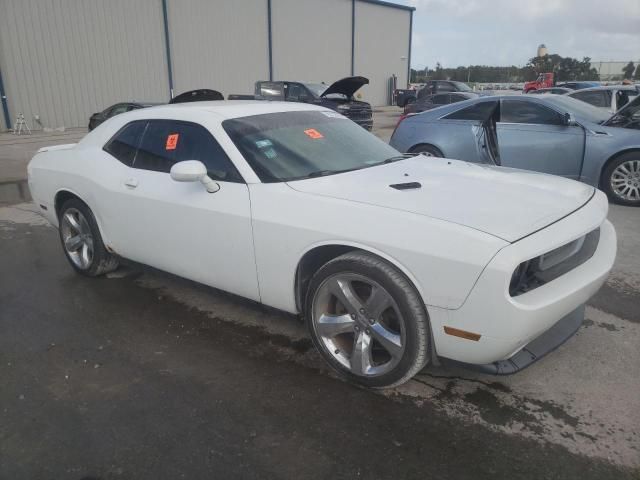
<point x="131" y="182"/>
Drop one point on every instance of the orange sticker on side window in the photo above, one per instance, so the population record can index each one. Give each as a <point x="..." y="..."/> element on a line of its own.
<point x="172" y="141"/>
<point x="313" y="133"/>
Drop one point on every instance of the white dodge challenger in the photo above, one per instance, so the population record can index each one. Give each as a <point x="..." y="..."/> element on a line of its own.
<point x="393" y="261"/>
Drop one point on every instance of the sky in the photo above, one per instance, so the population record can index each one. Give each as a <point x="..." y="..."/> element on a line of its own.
<point x="508" y="32"/>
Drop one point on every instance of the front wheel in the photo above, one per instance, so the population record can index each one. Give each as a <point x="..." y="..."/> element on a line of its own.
<point x="621" y="179"/>
<point x="367" y="320"/>
<point x="81" y="240"/>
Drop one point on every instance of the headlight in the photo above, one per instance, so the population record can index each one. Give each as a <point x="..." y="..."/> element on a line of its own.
<point x="537" y="271"/>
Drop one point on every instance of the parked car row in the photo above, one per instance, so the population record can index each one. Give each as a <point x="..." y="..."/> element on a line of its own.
<point x="339" y="96"/>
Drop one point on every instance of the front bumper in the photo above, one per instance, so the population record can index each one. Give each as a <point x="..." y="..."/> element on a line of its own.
<point x="507" y="324"/>
<point x="534" y="350"/>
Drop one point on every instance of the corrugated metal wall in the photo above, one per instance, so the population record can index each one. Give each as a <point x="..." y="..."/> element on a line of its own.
<point x="220" y="44"/>
<point x="65" y="59"/>
<point x="62" y="60"/>
<point x="381" y="42"/>
<point x="311" y="40"/>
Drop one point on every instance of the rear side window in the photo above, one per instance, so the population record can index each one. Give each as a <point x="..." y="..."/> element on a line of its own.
<point x="124" y="144"/>
<point x="597" y="99"/>
<point x="480" y="111"/>
<point x="440" y="99"/>
<point x="516" y="111"/>
<point x="166" y="142"/>
<point x="270" y="90"/>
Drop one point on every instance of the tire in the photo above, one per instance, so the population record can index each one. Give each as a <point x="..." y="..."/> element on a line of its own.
<point x="428" y="150"/>
<point x="621" y="179"/>
<point x="367" y="320"/>
<point x="81" y="240"/>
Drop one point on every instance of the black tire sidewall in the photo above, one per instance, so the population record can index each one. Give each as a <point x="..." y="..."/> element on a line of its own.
<point x="100" y="253"/>
<point x="605" y="182"/>
<point x="407" y="299"/>
<point x="427" y="149"/>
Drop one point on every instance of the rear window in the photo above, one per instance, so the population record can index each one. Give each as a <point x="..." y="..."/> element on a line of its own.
<point x="293" y="145"/>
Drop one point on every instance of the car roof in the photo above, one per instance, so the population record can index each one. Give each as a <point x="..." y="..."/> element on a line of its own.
<point x="608" y="87"/>
<point x="226" y="109"/>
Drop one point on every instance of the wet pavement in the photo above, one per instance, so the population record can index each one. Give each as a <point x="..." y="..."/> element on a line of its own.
<point x="145" y="375"/>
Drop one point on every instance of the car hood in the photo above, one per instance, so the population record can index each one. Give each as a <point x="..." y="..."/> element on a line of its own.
<point x="346" y="86"/>
<point x="503" y="202"/>
<point x="632" y="104"/>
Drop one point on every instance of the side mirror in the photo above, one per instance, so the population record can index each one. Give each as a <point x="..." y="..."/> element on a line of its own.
<point x="193" y="171"/>
<point x="569" y="120"/>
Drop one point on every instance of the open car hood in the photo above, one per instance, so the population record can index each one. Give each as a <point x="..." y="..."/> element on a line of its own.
<point x="504" y="202"/>
<point x="346" y="86"/>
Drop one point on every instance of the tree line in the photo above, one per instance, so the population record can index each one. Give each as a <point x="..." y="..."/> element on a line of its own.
<point x="564" y="68"/>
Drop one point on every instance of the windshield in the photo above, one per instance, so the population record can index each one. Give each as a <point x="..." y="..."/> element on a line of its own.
<point x="316" y="89"/>
<point x="294" y="145"/>
<point x="462" y="87"/>
<point x="579" y="108"/>
<point x="628" y="117"/>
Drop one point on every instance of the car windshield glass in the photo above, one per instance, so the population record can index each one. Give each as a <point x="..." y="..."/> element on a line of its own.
<point x="316" y="89"/>
<point x="462" y="87"/>
<point x="579" y="108"/>
<point x="294" y="145"/>
<point x="628" y="117"/>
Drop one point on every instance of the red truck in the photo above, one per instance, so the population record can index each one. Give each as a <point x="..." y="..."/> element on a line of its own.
<point x="544" y="80"/>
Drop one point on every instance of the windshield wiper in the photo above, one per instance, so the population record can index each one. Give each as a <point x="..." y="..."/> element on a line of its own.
<point x="397" y="158"/>
<point x="320" y="173"/>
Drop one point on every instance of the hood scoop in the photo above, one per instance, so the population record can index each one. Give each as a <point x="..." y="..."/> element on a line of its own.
<point x="406" y="186"/>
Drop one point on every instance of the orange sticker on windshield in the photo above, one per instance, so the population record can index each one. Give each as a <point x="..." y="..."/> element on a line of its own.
<point x="313" y="133"/>
<point x="172" y="141"/>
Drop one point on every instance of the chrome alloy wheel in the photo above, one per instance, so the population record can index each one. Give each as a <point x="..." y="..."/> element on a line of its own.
<point x="359" y="324"/>
<point x="77" y="238"/>
<point x="625" y="180"/>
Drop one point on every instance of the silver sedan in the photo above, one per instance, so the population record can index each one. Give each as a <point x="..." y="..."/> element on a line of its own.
<point x="553" y="134"/>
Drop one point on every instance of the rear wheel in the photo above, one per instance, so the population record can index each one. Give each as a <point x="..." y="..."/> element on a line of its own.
<point x="621" y="179"/>
<point x="428" y="150"/>
<point x="81" y="240"/>
<point x="367" y="320"/>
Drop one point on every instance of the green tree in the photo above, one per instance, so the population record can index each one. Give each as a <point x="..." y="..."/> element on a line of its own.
<point x="637" y="75"/>
<point x="628" y="70"/>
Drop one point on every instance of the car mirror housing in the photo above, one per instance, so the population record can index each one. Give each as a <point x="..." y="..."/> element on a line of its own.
<point x="193" y="171"/>
<point x="569" y="120"/>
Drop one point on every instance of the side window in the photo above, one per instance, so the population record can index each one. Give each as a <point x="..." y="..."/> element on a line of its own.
<point x="515" y="111"/>
<point x="446" y="87"/>
<point x="597" y="99"/>
<point x="456" y="97"/>
<point x="293" y="92"/>
<point x="166" y="142"/>
<point x="124" y="144"/>
<point x="442" y="99"/>
<point x="271" y="90"/>
<point x="480" y="111"/>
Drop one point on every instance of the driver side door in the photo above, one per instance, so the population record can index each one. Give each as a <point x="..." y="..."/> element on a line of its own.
<point x="179" y="227"/>
<point x="532" y="136"/>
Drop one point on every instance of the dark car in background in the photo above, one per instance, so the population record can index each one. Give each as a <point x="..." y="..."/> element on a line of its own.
<point x="407" y="97"/>
<point x="99" y="117"/>
<point x="338" y="96"/>
<point x="432" y="101"/>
